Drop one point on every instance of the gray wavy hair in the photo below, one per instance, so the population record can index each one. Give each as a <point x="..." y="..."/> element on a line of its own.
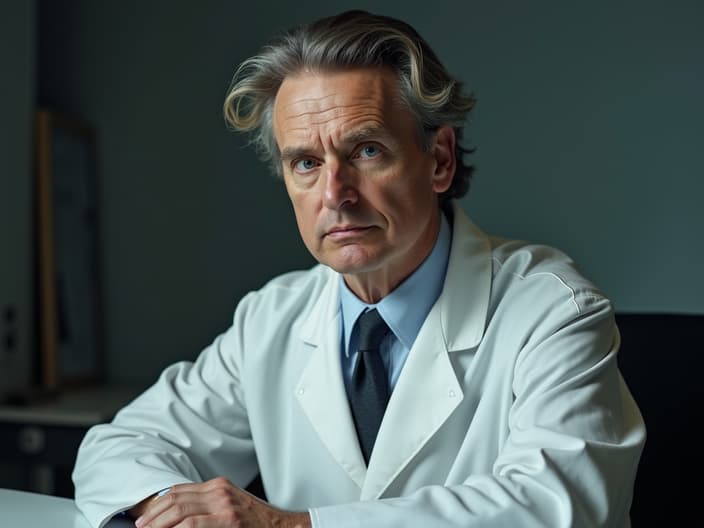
<point x="352" y="39"/>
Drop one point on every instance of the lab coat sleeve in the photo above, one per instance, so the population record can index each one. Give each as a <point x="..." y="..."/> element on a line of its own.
<point x="190" y="426"/>
<point x="570" y="457"/>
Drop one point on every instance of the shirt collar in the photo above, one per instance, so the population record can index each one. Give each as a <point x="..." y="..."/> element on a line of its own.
<point x="405" y="308"/>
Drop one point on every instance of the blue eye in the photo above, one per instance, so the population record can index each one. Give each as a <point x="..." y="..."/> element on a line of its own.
<point x="369" y="151"/>
<point x="305" y="165"/>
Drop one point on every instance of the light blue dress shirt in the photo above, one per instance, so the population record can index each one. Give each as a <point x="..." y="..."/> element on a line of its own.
<point x="404" y="310"/>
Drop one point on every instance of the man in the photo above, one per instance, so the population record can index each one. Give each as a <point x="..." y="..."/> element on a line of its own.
<point x="424" y="374"/>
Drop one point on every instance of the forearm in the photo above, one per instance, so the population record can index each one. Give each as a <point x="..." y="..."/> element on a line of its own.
<point x="164" y="437"/>
<point x="488" y="502"/>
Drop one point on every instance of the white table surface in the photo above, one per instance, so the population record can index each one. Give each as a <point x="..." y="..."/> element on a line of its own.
<point x="31" y="510"/>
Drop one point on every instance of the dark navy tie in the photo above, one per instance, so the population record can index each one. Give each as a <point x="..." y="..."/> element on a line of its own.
<point x="369" y="389"/>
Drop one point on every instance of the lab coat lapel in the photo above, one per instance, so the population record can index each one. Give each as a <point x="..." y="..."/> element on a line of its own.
<point x="321" y="391"/>
<point x="428" y="391"/>
<point x="426" y="394"/>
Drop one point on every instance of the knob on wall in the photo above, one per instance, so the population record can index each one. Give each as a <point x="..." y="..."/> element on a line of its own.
<point x="8" y="329"/>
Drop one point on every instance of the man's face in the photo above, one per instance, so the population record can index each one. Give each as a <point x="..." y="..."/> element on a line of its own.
<point x="363" y="189"/>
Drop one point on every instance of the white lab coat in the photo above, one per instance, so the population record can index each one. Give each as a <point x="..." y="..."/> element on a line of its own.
<point x="509" y="412"/>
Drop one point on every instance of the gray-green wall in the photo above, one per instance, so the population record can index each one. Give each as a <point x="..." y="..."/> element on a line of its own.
<point x="588" y="134"/>
<point x="17" y="81"/>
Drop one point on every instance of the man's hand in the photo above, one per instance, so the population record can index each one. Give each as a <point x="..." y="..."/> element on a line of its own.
<point x="216" y="503"/>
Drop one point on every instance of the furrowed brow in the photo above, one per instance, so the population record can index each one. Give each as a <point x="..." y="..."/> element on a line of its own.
<point x="291" y="153"/>
<point x="365" y="134"/>
<point x="352" y="138"/>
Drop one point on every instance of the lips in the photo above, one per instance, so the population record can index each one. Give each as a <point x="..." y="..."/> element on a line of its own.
<point x="340" y="232"/>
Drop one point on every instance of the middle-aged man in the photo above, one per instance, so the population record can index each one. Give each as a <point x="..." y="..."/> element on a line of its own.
<point x="423" y="374"/>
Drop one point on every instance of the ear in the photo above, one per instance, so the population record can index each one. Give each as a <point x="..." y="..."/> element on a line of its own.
<point x="443" y="150"/>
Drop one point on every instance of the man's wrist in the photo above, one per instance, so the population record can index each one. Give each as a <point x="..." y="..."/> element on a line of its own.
<point x="138" y="509"/>
<point x="298" y="520"/>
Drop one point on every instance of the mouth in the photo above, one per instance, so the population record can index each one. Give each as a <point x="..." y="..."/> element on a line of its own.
<point x="341" y="232"/>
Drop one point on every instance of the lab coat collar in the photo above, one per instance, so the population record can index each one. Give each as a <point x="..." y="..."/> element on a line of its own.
<point x="464" y="301"/>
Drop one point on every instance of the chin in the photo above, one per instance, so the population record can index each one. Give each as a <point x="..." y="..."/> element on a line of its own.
<point x="347" y="268"/>
<point x="353" y="264"/>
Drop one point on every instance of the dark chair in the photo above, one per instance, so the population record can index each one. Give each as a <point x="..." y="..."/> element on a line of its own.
<point x="661" y="359"/>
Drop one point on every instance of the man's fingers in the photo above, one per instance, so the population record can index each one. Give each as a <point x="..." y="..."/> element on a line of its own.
<point x="185" y="501"/>
<point x="171" y="508"/>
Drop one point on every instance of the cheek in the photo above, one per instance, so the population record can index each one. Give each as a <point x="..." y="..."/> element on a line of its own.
<point x="407" y="199"/>
<point x="305" y="219"/>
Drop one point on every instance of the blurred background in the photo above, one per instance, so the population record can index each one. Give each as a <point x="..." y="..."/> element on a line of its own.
<point x="588" y="132"/>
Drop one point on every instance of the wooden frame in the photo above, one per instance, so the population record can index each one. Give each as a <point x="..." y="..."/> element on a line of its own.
<point x="67" y="266"/>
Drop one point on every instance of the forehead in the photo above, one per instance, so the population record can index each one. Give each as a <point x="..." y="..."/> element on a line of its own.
<point x="315" y="106"/>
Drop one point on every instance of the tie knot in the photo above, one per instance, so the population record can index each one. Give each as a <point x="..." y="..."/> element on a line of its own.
<point x="372" y="329"/>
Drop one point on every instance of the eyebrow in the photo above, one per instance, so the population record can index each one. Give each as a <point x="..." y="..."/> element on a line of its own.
<point x="290" y="153"/>
<point x="356" y="136"/>
<point x="365" y="134"/>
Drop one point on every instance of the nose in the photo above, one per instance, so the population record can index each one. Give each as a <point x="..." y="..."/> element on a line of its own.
<point x="340" y="190"/>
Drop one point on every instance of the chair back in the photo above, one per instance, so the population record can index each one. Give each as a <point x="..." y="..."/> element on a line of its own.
<point x="661" y="359"/>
